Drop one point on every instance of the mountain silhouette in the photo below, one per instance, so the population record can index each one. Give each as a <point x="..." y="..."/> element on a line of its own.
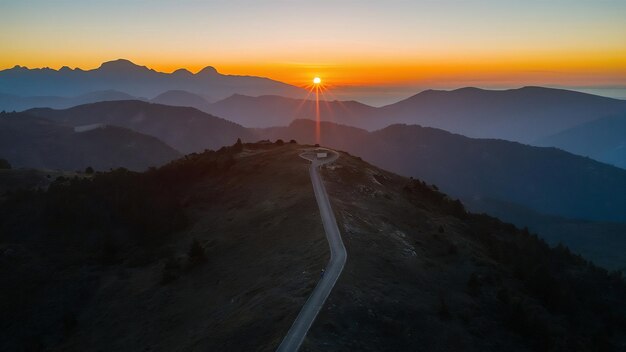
<point x="140" y="81"/>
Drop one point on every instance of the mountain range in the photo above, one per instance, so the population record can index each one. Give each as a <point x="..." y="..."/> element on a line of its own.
<point x="534" y="177"/>
<point x="524" y="115"/>
<point x="139" y="81"/>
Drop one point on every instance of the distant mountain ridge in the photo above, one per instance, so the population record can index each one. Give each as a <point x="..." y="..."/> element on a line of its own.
<point x="524" y="114"/>
<point x="185" y="129"/>
<point x="19" y="103"/>
<point x="466" y="167"/>
<point x="272" y="110"/>
<point x="182" y="98"/>
<point x="603" y="140"/>
<point x="535" y="177"/>
<point x="34" y="142"/>
<point x="136" y="80"/>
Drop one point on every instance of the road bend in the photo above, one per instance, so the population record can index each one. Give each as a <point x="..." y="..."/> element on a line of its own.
<point x="296" y="334"/>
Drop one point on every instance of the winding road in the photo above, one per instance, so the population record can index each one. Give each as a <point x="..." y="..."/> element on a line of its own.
<point x="296" y="334"/>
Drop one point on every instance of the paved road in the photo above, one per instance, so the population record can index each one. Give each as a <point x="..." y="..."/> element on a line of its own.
<point x="315" y="302"/>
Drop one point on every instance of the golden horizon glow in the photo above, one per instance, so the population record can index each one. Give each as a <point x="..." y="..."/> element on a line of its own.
<point x="430" y="44"/>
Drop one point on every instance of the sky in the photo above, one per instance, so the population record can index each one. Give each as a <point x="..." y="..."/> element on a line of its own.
<point x="358" y="47"/>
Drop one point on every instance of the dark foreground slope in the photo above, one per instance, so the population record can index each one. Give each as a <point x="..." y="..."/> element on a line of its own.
<point x="106" y="263"/>
<point x="424" y="275"/>
<point x="34" y="142"/>
<point x="110" y="263"/>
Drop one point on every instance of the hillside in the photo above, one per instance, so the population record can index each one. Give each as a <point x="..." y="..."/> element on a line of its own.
<point x="523" y="114"/>
<point x="269" y="111"/>
<point x="182" y="98"/>
<point x="539" y="178"/>
<point x="603" y="140"/>
<point x="116" y="253"/>
<point x="422" y="273"/>
<point x="601" y="242"/>
<point x="33" y="142"/>
<point x="18" y="103"/>
<point x="136" y="80"/>
<point x="536" y="179"/>
<point x="185" y="129"/>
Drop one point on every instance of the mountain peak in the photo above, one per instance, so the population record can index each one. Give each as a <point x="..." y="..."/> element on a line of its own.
<point x="209" y="70"/>
<point x="120" y="65"/>
<point x="182" y="72"/>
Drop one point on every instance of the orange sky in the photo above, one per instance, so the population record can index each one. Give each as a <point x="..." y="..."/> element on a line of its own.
<point x="393" y="43"/>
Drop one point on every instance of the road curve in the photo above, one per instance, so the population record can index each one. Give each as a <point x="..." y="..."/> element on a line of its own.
<point x="296" y="334"/>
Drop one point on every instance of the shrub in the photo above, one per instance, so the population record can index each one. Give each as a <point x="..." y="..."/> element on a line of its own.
<point x="89" y="170"/>
<point x="4" y="164"/>
<point x="171" y="271"/>
<point x="69" y="322"/>
<point x="238" y="145"/>
<point x="293" y="141"/>
<point x="279" y="142"/>
<point x="196" y="253"/>
<point x="473" y="285"/>
<point x="444" y="311"/>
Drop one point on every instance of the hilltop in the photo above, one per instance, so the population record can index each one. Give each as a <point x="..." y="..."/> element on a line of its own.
<point x="160" y="253"/>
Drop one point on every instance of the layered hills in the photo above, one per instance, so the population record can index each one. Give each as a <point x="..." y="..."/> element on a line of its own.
<point x="185" y="129"/>
<point x="34" y="142"/>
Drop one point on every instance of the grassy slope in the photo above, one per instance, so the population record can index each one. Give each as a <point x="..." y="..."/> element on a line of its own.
<point x="87" y="290"/>
<point x="421" y="275"/>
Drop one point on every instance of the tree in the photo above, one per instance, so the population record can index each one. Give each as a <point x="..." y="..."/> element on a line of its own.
<point x="196" y="253"/>
<point x="89" y="170"/>
<point x="293" y="141"/>
<point x="279" y="142"/>
<point x="238" y="145"/>
<point x="4" y="164"/>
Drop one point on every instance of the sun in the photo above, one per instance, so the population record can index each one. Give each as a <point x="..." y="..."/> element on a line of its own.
<point x="317" y="80"/>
